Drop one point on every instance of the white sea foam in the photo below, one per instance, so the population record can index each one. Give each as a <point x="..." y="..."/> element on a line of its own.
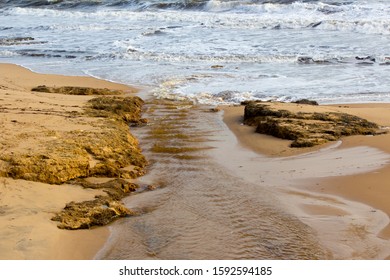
<point x="222" y="52"/>
<point x="362" y="18"/>
<point x="8" y="54"/>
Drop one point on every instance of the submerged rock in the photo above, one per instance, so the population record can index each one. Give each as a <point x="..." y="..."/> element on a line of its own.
<point x="365" y="58"/>
<point x="305" y="129"/>
<point x="16" y="41"/>
<point x="305" y="60"/>
<point x="306" y="101"/>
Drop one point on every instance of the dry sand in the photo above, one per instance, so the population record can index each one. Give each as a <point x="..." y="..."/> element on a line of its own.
<point x="27" y="120"/>
<point x="349" y="207"/>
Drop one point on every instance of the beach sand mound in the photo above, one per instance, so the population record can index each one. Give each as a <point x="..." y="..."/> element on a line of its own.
<point x="305" y="127"/>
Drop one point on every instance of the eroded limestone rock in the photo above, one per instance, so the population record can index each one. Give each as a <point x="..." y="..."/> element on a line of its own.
<point x="305" y="129"/>
<point x="116" y="188"/>
<point x="71" y="90"/>
<point x="52" y="168"/>
<point x="127" y="109"/>
<point x="75" y="154"/>
<point x="107" y="149"/>
<point x="100" y="211"/>
<point x="87" y="214"/>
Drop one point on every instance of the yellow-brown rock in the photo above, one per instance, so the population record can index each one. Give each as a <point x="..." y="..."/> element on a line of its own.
<point x="304" y="128"/>
<point x="87" y="214"/>
<point x="100" y="145"/>
<point x="77" y="90"/>
<point x="75" y="154"/>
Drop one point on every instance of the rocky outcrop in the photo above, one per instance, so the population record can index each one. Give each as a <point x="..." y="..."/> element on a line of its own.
<point x="116" y="188"/>
<point x="306" y="101"/>
<point x="127" y="109"/>
<point x="102" y="152"/>
<point x="305" y="129"/>
<point x="105" y="149"/>
<point x="77" y="90"/>
<point x="52" y="168"/>
<point x="100" y="211"/>
<point x="79" y="154"/>
<point x="87" y="214"/>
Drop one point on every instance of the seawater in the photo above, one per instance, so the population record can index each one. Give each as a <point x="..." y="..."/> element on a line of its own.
<point x="210" y="51"/>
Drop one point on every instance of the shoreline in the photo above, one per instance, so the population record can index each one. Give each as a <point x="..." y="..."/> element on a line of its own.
<point x="28" y="232"/>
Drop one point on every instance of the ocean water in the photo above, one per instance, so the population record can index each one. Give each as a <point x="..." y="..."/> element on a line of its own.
<point x="210" y="51"/>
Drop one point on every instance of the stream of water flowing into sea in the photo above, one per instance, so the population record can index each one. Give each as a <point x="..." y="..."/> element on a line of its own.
<point x="199" y="210"/>
<point x="213" y="199"/>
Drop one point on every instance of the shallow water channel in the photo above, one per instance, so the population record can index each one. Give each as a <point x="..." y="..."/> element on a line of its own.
<point x="199" y="209"/>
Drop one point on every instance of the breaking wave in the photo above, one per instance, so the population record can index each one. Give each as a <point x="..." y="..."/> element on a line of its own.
<point x="325" y="6"/>
<point x="356" y="16"/>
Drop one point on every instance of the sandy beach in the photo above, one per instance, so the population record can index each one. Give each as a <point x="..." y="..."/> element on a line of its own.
<point x="28" y="121"/>
<point x="345" y="201"/>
